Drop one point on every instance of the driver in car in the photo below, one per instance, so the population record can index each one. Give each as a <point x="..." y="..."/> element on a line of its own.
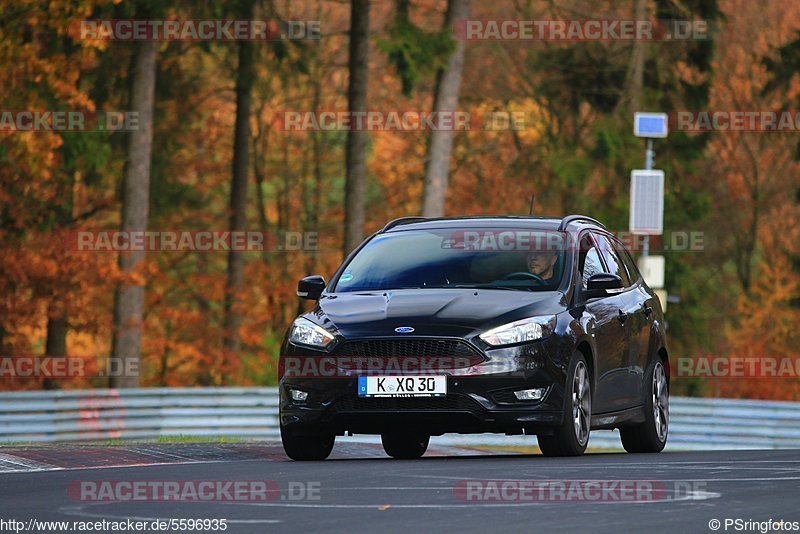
<point x="542" y="263"/>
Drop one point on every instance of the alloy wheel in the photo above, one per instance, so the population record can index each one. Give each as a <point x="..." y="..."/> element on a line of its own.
<point x="581" y="403"/>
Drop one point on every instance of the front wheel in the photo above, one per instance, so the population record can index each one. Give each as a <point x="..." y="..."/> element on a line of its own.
<point x="405" y="446"/>
<point x="651" y="436"/>
<point x="311" y="447"/>
<point x="571" y="438"/>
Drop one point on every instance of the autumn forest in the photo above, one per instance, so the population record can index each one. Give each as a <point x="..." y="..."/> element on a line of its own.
<point x="210" y="150"/>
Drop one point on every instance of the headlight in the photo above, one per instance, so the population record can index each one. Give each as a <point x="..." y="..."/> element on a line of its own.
<point x="307" y="333"/>
<point x="529" y="329"/>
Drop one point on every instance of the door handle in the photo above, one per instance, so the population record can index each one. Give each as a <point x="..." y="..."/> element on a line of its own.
<point x="648" y="311"/>
<point x="621" y="316"/>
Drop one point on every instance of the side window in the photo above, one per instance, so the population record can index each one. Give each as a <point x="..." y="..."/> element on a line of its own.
<point x="615" y="265"/>
<point x="590" y="262"/>
<point x="630" y="265"/>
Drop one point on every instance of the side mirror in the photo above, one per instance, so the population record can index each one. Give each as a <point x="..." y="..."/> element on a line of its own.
<point x="310" y="287"/>
<point x="603" y="284"/>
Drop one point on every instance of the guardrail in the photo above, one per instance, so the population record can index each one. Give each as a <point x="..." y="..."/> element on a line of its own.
<point x="43" y="416"/>
<point x="78" y="415"/>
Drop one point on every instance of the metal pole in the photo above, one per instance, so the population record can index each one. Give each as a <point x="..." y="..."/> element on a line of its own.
<point x="648" y="165"/>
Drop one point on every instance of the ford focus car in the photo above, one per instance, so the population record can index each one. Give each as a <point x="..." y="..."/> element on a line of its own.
<point x="513" y="325"/>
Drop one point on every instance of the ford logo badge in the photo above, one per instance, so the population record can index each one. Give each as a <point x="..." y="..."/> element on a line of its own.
<point x="404" y="329"/>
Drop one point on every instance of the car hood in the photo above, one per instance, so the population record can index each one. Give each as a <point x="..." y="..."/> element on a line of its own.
<point x="430" y="312"/>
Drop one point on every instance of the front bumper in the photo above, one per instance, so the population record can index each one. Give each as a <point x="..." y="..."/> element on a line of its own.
<point x="480" y="398"/>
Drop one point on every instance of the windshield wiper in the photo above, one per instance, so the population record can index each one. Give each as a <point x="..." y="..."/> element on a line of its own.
<point x="489" y="286"/>
<point x="450" y="286"/>
<point x="510" y="288"/>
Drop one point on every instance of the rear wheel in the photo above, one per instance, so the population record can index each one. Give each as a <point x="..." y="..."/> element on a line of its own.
<point x="306" y="447"/>
<point x="651" y="436"/>
<point x="571" y="438"/>
<point x="405" y="446"/>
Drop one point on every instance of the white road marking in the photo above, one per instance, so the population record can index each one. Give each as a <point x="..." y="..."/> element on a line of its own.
<point x="760" y="479"/>
<point x="125" y="466"/>
<point x="689" y="496"/>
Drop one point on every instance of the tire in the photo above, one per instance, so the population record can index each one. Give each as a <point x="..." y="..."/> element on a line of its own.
<point x="572" y="436"/>
<point x="651" y="436"/>
<point x="405" y="446"/>
<point x="306" y="447"/>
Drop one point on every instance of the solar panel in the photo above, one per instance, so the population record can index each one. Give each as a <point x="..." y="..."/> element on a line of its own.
<point x="647" y="202"/>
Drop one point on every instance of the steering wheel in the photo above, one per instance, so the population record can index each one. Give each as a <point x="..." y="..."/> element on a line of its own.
<point x="522" y="275"/>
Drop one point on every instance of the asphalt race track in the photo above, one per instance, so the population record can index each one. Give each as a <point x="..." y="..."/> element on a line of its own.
<point x="361" y="490"/>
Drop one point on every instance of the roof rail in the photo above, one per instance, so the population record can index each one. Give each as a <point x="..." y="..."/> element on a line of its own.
<point x="569" y="219"/>
<point x="402" y="220"/>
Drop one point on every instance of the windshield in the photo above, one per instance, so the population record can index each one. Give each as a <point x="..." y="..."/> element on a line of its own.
<point x="523" y="260"/>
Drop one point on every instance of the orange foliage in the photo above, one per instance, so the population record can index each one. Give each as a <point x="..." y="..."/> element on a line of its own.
<point x="746" y="175"/>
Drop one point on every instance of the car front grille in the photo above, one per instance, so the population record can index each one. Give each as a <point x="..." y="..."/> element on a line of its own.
<point x="408" y="354"/>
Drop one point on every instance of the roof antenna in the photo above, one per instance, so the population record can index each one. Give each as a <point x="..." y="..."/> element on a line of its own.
<point x="530" y="211"/>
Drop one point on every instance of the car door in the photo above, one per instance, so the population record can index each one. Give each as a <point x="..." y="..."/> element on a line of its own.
<point x="631" y="307"/>
<point x="608" y="331"/>
<point x="642" y="326"/>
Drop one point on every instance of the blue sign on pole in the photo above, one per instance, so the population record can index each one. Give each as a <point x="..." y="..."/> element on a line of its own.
<point x="650" y="124"/>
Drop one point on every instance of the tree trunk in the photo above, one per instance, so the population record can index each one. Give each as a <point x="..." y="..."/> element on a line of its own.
<point x="56" y="341"/>
<point x="238" y="200"/>
<point x="316" y="193"/>
<point x="129" y="299"/>
<point x="636" y="68"/>
<point x="57" y="315"/>
<point x="440" y="148"/>
<point x="356" y="151"/>
<point x="260" y="151"/>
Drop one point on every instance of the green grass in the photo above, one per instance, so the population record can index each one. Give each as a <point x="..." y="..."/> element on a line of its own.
<point x="528" y="449"/>
<point x="183" y="438"/>
<point x="180" y="438"/>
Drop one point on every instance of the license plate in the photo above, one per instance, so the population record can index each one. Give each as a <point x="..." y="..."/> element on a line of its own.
<point x="402" y="386"/>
